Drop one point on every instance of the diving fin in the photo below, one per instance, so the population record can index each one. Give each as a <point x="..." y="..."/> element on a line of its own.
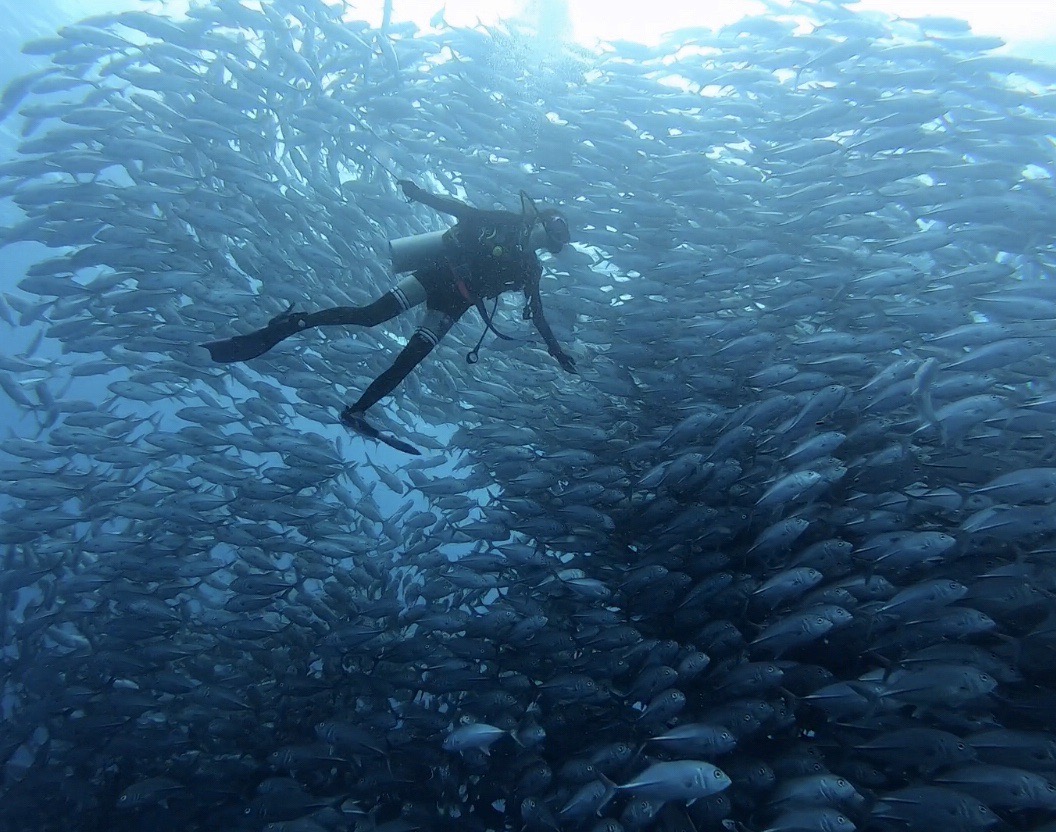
<point x="245" y="347"/>
<point x="241" y="347"/>
<point x="358" y="423"/>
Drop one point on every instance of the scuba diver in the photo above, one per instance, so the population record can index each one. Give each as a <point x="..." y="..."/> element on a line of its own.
<point x="483" y="255"/>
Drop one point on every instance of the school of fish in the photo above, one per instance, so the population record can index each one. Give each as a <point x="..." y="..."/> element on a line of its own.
<point x="782" y="558"/>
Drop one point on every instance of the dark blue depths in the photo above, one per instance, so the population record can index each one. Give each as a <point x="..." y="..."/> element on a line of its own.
<point x="779" y="559"/>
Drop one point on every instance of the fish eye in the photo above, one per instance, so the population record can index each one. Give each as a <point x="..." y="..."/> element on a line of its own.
<point x="960" y="746"/>
<point x="841" y="782"/>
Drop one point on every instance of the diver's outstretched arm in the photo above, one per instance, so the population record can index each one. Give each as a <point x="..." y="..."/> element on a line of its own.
<point x="535" y="308"/>
<point x="444" y="204"/>
<point x="458" y="209"/>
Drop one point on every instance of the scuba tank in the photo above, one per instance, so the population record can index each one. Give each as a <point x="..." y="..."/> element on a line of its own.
<point x="419" y="251"/>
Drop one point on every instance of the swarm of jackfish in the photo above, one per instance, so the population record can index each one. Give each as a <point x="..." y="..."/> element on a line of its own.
<point x="779" y="559"/>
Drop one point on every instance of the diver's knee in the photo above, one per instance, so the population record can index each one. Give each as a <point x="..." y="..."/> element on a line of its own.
<point x="435" y="325"/>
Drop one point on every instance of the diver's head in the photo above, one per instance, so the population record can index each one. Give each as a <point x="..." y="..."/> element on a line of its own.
<point x="550" y="231"/>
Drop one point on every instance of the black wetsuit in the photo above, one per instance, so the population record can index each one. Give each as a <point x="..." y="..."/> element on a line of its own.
<point x="485" y="253"/>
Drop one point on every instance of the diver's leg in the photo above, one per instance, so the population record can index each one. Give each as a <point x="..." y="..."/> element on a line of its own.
<point x="407" y="293"/>
<point x="434" y="326"/>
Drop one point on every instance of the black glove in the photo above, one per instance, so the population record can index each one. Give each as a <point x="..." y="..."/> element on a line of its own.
<point x="567" y="362"/>
<point x="410" y="190"/>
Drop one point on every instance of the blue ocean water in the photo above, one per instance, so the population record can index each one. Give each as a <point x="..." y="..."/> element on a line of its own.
<point x="796" y="505"/>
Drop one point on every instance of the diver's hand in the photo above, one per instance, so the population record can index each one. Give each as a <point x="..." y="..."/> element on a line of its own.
<point x="410" y="190"/>
<point x="567" y="362"/>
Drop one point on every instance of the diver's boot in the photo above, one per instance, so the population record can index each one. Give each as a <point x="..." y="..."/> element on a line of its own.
<point x="245" y="347"/>
<point x="357" y="420"/>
